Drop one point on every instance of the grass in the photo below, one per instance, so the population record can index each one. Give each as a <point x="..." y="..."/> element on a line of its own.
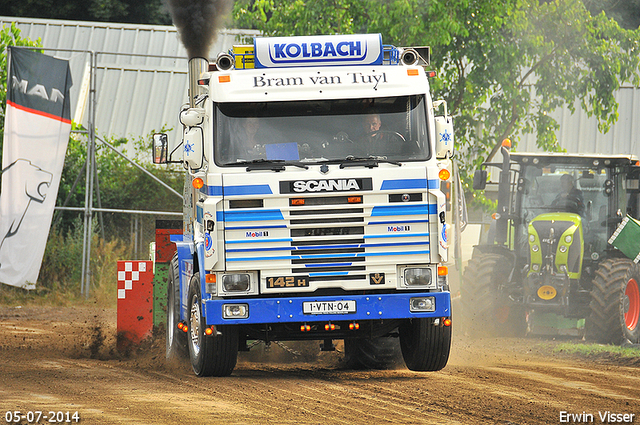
<point x="59" y="283"/>
<point x="599" y="350"/>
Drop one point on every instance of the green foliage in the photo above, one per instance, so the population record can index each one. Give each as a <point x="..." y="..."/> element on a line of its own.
<point x="9" y="36"/>
<point x="502" y="67"/>
<point x="129" y="11"/>
<point x="122" y="185"/>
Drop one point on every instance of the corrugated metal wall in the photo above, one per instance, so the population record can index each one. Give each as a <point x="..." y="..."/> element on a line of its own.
<point x="141" y="70"/>
<point x="579" y="134"/>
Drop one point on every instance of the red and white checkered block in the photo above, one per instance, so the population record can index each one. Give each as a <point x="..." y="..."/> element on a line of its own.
<point x="135" y="302"/>
<point x="127" y="276"/>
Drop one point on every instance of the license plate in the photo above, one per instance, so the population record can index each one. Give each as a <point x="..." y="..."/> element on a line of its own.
<point x="329" y="307"/>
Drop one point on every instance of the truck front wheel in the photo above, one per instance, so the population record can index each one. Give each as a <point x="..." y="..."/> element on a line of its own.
<point x="425" y="346"/>
<point x="211" y="355"/>
<point x="371" y="353"/>
<point x="176" y="340"/>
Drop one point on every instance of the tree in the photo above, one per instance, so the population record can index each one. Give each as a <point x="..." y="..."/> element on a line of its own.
<point x="9" y="36"/>
<point x="128" y="11"/>
<point x="502" y="66"/>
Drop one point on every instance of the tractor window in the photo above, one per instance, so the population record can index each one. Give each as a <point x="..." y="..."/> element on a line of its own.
<point x="565" y="188"/>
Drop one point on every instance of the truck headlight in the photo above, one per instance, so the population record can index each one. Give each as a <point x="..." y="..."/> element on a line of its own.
<point x="417" y="277"/>
<point x="236" y="282"/>
<point x="423" y="304"/>
<point x="235" y="311"/>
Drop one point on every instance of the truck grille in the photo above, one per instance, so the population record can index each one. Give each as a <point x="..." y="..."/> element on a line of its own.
<point x="338" y="241"/>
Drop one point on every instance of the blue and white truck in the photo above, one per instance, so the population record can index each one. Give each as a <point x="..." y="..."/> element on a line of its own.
<point x="314" y="203"/>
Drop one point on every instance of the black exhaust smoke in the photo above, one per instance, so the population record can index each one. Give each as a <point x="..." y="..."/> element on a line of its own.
<point x="197" y="22"/>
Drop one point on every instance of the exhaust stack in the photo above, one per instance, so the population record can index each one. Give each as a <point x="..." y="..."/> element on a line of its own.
<point x="197" y="67"/>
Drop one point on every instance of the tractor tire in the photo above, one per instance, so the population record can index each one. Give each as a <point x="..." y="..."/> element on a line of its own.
<point x="425" y="346"/>
<point x="214" y="355"/>
<point x="176" y="339"/>
<point x="485" y="311"/>
<point x="375" y="353"/>
<point x="615" y="303"/>
<point x="630" y="306"/>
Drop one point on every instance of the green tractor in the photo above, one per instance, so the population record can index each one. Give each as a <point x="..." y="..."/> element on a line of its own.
<point x="546" y="255"/>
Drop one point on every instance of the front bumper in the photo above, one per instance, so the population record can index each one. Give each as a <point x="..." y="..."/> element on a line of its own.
<point x="289" y="309"/>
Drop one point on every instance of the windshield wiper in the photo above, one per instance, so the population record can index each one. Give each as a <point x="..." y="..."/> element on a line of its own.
<point x="271" y="164"/>
<point x="369" y="162"/>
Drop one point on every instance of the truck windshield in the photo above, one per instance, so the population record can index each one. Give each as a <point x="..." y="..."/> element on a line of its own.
<point x="391" y="128"/>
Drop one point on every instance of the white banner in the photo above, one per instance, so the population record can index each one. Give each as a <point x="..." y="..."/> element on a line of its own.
<point x="36" y="133"/>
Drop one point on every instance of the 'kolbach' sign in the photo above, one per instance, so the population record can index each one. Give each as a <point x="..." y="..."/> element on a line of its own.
<point x="357" y="49"/>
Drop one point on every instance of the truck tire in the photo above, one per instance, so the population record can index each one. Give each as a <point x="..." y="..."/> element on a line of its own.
<point x="425" y="346"/>
<point x="176" y="340"/>
<point x="214" y="355"/>
<point x="615" y="303"/>
<point x="485" y="310"/>
<point x="373" y="353"/>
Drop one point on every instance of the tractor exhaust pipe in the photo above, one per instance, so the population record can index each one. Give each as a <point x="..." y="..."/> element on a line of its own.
<point x="197" y="67"/>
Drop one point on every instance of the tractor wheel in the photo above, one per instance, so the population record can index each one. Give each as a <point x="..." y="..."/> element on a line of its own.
<point x="630" y="306"/>
<point x="615" y="302"/>
<point x="485" y="310"/>
<point x="213" y="355"/>
<point x="425" y="346"/>
<point x="176" y="340"/>
<point x="375" y="353"/>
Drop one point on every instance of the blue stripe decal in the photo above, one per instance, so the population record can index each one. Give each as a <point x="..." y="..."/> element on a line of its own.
<point x="310" y="247"/>
<point x="219" y="216"/>
<point x="403" y="184"/>
<point x="397" y="235"/>
<point x="329" y="274"/>
<point x="261" y="240"/>
<point x="416" y="209"/>
<point x="282" y="226"/>
<point x="328" y="265"/>
<point x="199" y="213"/>
<point x="250" y="189"/>
<point x="212" y="190"/>
<point x="309" y="257"/>
<point x="398" y="222"/>
<point x="253" y="215"/>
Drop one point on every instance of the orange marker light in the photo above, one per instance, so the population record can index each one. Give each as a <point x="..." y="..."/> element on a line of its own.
<point x="185" y="328"/>
<point x="197" y="183"/>
<point x="412" y="72"/>
<point x="180" y="325"/>
<point x="443" y="270"/>
<point x="506" y="143"/>
<point x="444" y="174"/>
<point x="208" y="331"/>
<point x="354" y="199"/>
<point x="224" y="78"/>
<point x="210" y="278"/>
<point x="297" y="202"/>
<point x="447" y="322"/>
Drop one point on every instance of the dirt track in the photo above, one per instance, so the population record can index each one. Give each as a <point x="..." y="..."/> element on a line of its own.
<point x="65" y="360"/>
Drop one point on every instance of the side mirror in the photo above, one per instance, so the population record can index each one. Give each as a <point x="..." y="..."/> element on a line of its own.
<point x="193" y="144"/>
<point x="479" y="179"/>
<point x="160" y="145"/>
<point x="192" y="117"/>
<point x="444" y="132"/>
<point x="444" y="137"/>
